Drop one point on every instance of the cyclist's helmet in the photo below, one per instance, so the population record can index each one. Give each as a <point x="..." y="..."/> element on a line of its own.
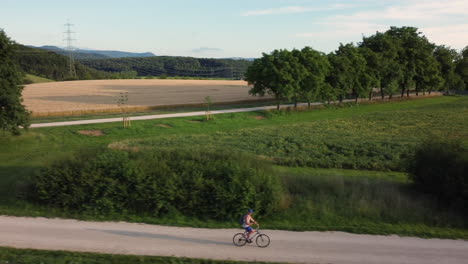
<point x="250" y="211"/>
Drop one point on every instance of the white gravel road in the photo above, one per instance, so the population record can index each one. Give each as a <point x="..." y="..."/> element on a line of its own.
<point x="296" y="247"/>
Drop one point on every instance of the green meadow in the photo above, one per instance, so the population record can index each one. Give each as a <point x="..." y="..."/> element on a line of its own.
<point x="341" y="167"/>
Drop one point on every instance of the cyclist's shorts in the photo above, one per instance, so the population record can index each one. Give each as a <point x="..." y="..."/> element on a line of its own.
<point x="248" y="229"/>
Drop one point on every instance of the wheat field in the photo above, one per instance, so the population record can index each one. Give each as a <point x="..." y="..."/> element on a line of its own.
<point x="79" y="97"/>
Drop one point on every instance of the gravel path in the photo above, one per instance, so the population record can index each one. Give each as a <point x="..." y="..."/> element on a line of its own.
<point x="296" y="247"/>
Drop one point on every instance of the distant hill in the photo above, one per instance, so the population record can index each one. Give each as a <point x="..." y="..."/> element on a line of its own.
<point x="86" y="54"/>
<point x="51" y="62"/>
<point x="174" y="66"/>
<point x="51" y="65"/>
<point x="240" y="58"/>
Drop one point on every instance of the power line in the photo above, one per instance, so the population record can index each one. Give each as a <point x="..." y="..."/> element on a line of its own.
<point x="70" y="48"/>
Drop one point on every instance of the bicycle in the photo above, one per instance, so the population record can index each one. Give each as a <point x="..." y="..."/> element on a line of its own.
<point x="262" y="240"/>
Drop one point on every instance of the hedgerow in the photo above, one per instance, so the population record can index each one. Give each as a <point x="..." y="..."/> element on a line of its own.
<point x="204" y="184"/>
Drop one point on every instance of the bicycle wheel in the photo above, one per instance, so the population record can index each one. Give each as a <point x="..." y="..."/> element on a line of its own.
<point x="239" y="239"/>
<point x="263" y="240"/>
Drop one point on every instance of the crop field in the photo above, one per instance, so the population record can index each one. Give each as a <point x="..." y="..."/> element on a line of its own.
<point x="84" y="97"/>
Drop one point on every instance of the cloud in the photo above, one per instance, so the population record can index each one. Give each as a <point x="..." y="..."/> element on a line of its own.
<point x="291" y="10"/>
<point x="206" y="50"/>
<point x="442" y="22"/>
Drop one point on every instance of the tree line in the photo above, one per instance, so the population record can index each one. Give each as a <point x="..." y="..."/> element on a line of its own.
<point x="173" y="66"/>
<point x="49" y="64"/>
<point x="397" y="61"/>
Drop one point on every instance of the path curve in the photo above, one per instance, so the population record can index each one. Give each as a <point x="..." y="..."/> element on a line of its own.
<point x="286" y="246"/>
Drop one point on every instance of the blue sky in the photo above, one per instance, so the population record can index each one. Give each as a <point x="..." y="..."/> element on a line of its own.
<point x="241" y="28"/>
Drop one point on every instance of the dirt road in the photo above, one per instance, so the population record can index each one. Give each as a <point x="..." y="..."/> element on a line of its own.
<point x="299" y="247"/>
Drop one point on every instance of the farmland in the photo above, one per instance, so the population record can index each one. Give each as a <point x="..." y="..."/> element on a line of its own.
<point x="84" y="97"/>
<point x="371" y="137"/>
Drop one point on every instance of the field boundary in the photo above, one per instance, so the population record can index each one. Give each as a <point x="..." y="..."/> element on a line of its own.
<point x="133" y="109"/>
<point x="226" y="111"/>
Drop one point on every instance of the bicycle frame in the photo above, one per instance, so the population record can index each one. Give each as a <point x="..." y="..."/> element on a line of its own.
<point x="255" y="234"/>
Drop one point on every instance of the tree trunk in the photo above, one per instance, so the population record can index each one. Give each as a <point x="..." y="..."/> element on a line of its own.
<point x="407" y="92"/>
<point x="308" y="103"/>
<point x="402" y="92"/>
<point x="382" y="93"/>
<point x="370" y="95"/>
<point x="357" y="97"/>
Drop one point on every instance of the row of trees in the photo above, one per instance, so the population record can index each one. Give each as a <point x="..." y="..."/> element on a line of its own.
<point x="397" y="61"/>
<point x="173" y="66"/>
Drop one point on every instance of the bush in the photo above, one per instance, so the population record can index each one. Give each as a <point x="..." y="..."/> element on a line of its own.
<point x="204" y="184"/>
<point x="440" y="167"/>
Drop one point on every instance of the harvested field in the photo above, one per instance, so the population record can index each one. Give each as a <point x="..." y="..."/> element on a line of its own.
<point x="84" y="97"/>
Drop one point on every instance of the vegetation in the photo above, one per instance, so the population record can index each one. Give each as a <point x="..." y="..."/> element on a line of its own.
<point x="372" y="141"/>
<point x="462" y="66"/>
<point x="155" y="183"/>
<point x="381" y="202"/>
<point x="50" y="65"/>
<point x="12" y="113"/>
<point x="400" y="58"/>
<point x="440" y="167"/>
<point x="363" y="202"/>
<point x="29" y="256"/>
<point x="28" y="79"/>
<point x="166" y="66"/>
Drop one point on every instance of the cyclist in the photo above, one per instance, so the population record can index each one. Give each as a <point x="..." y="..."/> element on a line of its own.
<point x="248" y="220"/>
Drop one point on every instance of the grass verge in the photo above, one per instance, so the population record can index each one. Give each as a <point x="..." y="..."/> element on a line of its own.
<point x="30" y="256"/>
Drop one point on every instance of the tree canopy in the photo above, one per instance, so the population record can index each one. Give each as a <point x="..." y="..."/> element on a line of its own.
<point x="401" y="58"/>
<point x="12" y="112"/>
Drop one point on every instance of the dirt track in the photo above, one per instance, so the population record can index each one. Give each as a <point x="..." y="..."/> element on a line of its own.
<point x="300" y="247"/>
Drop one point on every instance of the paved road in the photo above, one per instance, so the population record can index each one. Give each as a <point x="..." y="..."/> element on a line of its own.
<point x="299" y="247"/>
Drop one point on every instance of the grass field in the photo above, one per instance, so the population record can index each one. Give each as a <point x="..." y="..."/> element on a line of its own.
<point x="28" y="256"/>
<point x="376" y="137"/>
<point x="88" y="97"/>
<point x="30" y="79"/>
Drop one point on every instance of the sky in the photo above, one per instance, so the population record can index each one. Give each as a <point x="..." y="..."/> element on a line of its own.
<point x="218" y="29"/>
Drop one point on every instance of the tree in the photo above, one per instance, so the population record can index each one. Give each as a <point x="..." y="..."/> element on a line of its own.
<point x="447" y="58"/>
<point x="348" y="74"/>
<point x="278" y="74"/>
<point x="12" y="112"/>
<point x="428" y="75"/>
<point x="383" y="64"/>
<point x="317" y="66"/>
<point x="462" y="66"/>
<point x="413" y="50"/>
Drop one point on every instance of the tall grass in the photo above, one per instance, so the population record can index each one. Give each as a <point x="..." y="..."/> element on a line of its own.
<point x="362" y="204"/>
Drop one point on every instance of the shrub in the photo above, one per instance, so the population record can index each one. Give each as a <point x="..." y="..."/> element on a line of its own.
<point x="205" y="184"/>
<point x="440" y="167"/>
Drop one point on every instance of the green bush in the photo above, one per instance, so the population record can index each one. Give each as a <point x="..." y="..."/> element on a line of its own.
<point x="204" y="184"/>
<point x="440" y="167"/>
